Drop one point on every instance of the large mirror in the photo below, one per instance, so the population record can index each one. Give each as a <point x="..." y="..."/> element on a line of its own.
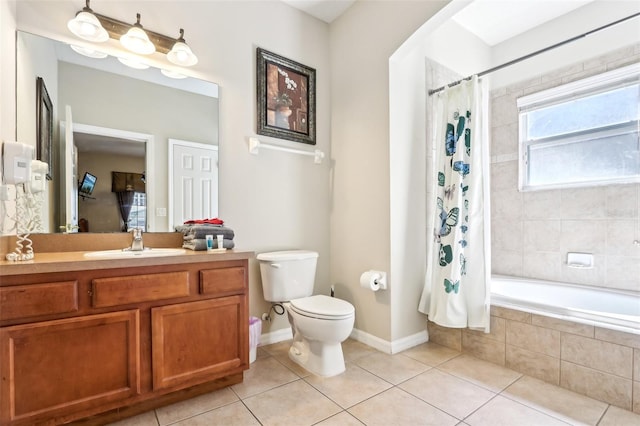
<point x="118" y="132"/>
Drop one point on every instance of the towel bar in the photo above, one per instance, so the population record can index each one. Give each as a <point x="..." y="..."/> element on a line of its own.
<point x="255" y="145"/>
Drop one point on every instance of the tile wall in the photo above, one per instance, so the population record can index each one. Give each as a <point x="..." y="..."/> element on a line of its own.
<point x="533" y="231"/>
<point x="600" y="363"/>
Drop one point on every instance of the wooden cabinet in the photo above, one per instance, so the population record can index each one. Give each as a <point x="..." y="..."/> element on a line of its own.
<point x="68" y="365"/>
<point x="81" y="344"/>
<point x="196" y="341"/>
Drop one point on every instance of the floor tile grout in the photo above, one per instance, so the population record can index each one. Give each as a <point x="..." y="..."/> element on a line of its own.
<point x="376" y="373"/>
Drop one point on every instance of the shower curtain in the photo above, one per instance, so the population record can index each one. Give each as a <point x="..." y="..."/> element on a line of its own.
<point x="456" y="289"/>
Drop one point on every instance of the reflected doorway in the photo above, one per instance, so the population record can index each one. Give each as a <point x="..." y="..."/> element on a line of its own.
<point x="119" y="160"/>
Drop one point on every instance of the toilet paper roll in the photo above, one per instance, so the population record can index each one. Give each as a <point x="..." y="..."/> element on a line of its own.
<point x="370" y="280"/>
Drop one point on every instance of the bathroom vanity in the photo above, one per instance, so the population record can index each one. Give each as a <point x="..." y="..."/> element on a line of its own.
<point x="94" y="340"/>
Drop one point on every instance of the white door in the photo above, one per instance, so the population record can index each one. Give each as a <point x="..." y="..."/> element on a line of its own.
<point x="69" y="161"/>
<point x="193" y="183"/>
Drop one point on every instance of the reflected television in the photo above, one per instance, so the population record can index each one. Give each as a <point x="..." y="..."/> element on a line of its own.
<point x="87" y="184"/>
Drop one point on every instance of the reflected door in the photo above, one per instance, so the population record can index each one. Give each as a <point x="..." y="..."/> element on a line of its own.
<point x="69" y="172"/>
<point x="193" y="183"/>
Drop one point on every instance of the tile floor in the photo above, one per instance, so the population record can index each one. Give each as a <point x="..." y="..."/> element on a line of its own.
<point x="426" y="385"/>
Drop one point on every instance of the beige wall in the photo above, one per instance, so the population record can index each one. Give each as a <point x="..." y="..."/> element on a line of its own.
<point x="362" y="41"/>
<point x="280" y="201"/>
<point x="341" y="208"/>
<point x="275" y="200"/>
<point x="7" y="95"/>
<point x="36" y="59"/>
<point x="7" y="70"/>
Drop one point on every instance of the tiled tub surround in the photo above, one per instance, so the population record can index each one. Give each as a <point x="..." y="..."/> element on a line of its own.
<point x="533" y="231"/>
<point x="531" y="235"/>
<point x="600" y="363"/>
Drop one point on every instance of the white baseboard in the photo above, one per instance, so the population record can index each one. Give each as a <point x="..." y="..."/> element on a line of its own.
<point x="359" y="335"/>
<point x="276" y="336"/>
<point x="386" y="346"/>
<point x="409" y="342"/>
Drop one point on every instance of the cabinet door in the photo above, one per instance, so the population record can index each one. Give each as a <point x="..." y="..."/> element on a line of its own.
<point x="55" y="368"/>
<point x="198" y="341"/>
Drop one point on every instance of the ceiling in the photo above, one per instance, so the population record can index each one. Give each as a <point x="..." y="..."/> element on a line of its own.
<point x="105" y="144"/>
<point x="325" y="10"/>
<point x="493" y="21"/>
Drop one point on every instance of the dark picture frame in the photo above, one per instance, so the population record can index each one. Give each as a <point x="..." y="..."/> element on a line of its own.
<point x="44" y="126"/>
<point x="286" y="98"/>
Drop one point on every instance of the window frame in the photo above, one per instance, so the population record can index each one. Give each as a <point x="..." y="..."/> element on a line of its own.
<point x="608" y="81"/>
<point x="135" y="206"/>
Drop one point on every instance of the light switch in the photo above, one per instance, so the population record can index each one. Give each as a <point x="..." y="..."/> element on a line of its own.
<point x="161" y="211"/>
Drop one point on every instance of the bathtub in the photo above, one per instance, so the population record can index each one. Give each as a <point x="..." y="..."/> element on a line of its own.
<point x="608" y="308"/>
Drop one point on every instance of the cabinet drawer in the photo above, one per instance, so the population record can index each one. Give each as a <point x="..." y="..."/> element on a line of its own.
<point x="26" y="301"/>
<point x="222" y="280"/>
<point x="139" y="288"/>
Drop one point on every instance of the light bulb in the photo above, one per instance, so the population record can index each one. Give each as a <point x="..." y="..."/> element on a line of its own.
<point x="181" y="54"/>
<point x="87" y="26"/>
<point x="137" y="41"/>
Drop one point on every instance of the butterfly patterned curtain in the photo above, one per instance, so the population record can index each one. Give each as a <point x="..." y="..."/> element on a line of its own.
<point x="456" y="291"/>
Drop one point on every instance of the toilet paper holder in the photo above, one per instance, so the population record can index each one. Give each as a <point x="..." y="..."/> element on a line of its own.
<point x="381" y="281"/>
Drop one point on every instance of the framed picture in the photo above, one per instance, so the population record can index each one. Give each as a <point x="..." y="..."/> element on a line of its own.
<point x="44" y="126"/>
<point x="286" y="98"/>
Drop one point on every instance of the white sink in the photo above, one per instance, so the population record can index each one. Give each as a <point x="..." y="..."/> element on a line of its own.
<point x="148" y="252"/>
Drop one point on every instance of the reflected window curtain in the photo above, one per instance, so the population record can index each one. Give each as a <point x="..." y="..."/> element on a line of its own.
<point x="125" y="201"/>
<point x="125" y="186"/>
<point x="457" y="283"/>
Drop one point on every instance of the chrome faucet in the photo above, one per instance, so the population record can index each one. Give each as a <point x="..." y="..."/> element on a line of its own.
<point x="136" y="243"/>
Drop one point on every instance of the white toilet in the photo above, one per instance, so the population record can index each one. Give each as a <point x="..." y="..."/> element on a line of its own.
<point x="319" y="323"/>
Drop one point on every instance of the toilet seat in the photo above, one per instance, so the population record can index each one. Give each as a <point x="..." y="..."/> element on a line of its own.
<point x="322" y="307"/>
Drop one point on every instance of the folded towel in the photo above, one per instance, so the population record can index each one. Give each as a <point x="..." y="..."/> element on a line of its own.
<point x="201" y="244"/>
<point x="191" y="232"/>
<point x="213" y="221"/>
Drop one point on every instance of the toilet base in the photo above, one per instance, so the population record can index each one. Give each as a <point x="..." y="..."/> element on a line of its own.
<point x="321" y="359"/>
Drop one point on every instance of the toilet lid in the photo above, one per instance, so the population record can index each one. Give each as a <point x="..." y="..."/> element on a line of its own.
<point x="323" y="306"/>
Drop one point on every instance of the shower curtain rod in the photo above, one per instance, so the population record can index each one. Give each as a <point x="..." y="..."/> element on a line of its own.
<point x="536" y="53"/>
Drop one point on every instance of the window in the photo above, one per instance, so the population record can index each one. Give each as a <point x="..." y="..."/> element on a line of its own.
<point x="138" y="213"/>
<point x="582" y="133"/>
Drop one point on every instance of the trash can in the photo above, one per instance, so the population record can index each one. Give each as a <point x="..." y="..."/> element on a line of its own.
<point x="255" y="329"/>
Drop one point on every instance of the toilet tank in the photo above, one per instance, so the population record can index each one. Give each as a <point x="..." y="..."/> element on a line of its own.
<point x="287" y="275"/>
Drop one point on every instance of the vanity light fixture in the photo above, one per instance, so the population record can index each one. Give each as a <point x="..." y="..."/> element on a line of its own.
<point x="98" y="28"/>
<point x="136" y="40"/>
<point x="87" y="26"/>
<point x="181" y="54"/>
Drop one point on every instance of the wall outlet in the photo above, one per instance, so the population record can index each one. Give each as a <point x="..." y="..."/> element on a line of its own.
<point x="4" y="192"/>
<point x="161" y="212"/>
